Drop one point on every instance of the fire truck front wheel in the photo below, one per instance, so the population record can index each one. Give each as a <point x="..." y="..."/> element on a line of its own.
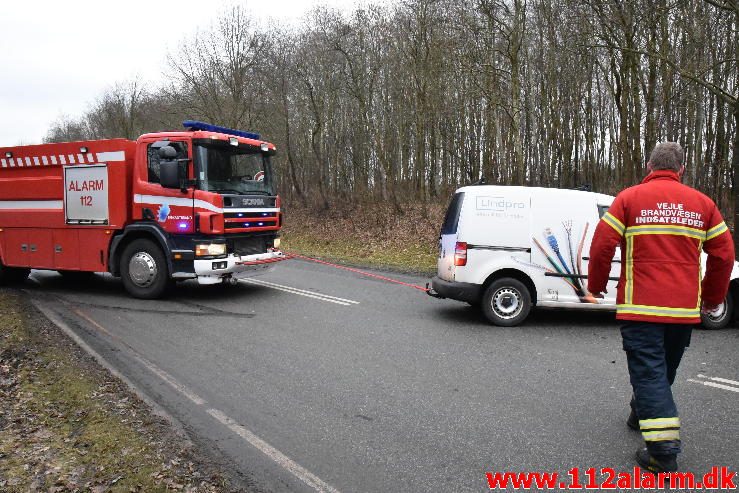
<point x="144" y="270"/>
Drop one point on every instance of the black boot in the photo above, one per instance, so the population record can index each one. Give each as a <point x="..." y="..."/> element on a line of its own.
<point x="656" y="463"/>
<point x="633" y="421"/>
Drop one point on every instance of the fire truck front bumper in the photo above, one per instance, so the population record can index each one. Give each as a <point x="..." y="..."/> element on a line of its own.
<point x="213" y="271"/>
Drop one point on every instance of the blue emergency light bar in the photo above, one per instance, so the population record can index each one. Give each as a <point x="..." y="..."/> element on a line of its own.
<point x="207" y="127"/>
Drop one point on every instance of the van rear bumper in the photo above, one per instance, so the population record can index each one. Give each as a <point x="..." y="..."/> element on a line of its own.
<point x="462" y="291"/>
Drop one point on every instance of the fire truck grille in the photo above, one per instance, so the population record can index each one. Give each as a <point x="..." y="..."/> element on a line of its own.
<point x="249" y="215"/>
<point x="246" y="246"/>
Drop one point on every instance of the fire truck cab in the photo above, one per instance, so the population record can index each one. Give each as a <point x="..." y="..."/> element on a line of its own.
<point x="197" y="204"/>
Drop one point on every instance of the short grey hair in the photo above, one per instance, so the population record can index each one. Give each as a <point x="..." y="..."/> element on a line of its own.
<point x="667" y="155"/>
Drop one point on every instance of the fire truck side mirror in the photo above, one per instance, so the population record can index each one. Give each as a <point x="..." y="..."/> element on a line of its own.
<point x="167" y="152"/>
<point x="169" y="174"/>
<point x="172" y="171"/>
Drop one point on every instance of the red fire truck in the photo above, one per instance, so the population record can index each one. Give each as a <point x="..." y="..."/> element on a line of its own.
<point x="197" y="204"/>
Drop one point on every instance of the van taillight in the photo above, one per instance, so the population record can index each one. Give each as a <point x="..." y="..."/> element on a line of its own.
<point x="460" y="254"/>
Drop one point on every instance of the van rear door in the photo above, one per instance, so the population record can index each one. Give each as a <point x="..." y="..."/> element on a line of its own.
<point x="448" y="238"/>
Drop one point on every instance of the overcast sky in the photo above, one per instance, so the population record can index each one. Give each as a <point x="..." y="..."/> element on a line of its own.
<point x="58" y="56"/>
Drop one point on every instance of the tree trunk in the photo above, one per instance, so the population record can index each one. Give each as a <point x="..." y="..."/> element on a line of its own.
<point x="735" y="175"/>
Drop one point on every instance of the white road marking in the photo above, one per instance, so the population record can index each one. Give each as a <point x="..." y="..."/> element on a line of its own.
<point x="281" y="459"/>
<point x="296" y="469"/>
<point x="267" y="283"/>
<point x="718" y="379"/>
<point x="714" y="384"/>
<point x="195" y="398"/>
<point x="302" y="292"/>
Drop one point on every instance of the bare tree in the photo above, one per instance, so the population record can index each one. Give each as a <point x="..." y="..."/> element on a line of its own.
<point x="218" y="73"/>
<point x="405" y="102"/>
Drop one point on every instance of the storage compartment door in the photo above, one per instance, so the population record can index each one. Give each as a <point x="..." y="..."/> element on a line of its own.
<point x="95" y="245"/>
<point x="66" y="249"/>
<point x="15" y="251"/>
<point x="40" y="254"/>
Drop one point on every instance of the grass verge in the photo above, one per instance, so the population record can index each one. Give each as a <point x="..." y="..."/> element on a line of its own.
<point x="68" y="425"/>
<point x="374" y="236"/>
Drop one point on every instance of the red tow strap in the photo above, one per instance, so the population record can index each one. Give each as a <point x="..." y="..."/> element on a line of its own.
<point x="356" y="271"/>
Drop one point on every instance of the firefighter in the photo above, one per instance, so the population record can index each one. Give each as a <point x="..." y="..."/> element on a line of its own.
<point x="661" y="226"/>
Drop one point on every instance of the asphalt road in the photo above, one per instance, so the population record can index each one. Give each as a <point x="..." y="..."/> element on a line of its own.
<point x="313" y="378"/>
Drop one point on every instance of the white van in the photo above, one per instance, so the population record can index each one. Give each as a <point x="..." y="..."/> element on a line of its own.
<point x="509" y="249"/>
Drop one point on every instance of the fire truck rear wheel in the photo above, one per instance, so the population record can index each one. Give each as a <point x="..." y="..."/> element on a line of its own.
<point x="12" y="275"/>
<point x="144" y="270"/>
<point x="506" y="302"/>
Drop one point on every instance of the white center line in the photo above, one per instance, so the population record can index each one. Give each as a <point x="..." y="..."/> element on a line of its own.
<point x="303" y="292"/>
<point x="718" y="379"/>
<point x="714" y="384"/>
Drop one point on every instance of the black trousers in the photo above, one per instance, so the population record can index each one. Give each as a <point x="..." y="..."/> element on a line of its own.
<point x="653" y="353"/>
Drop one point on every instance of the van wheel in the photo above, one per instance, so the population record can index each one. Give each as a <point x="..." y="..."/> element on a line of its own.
<point x="12" y="275"/>
<point x="506" y="302"/>
<point x="722" y="318"/>
<point x="144" y="270"/>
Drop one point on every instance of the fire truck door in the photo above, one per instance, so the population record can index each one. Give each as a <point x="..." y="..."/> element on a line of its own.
<point x="171" y="208"/>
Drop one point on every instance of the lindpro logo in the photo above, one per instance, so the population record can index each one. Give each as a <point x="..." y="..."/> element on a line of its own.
<point x="498" y="204"/>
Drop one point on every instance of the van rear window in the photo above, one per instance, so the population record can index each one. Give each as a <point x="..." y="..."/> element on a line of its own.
<point x="451" y="220"/>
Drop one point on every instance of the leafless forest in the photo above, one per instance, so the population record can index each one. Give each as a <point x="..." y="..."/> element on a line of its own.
<point x="403" y="102"/>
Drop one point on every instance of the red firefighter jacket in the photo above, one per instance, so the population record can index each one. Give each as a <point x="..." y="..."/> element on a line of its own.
<point x="661" y="226"/>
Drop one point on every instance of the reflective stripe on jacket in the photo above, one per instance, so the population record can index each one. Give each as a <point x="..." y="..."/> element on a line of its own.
<point x="661" y="226"/>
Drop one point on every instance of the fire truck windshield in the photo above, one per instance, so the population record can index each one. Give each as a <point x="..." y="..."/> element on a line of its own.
<point x="229" y="169"/>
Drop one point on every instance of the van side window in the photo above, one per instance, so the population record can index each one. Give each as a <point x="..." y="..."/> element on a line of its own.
<point x="602" y="209"/>
<point x="152" y="155"/>
<point x="451" y="220"/>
